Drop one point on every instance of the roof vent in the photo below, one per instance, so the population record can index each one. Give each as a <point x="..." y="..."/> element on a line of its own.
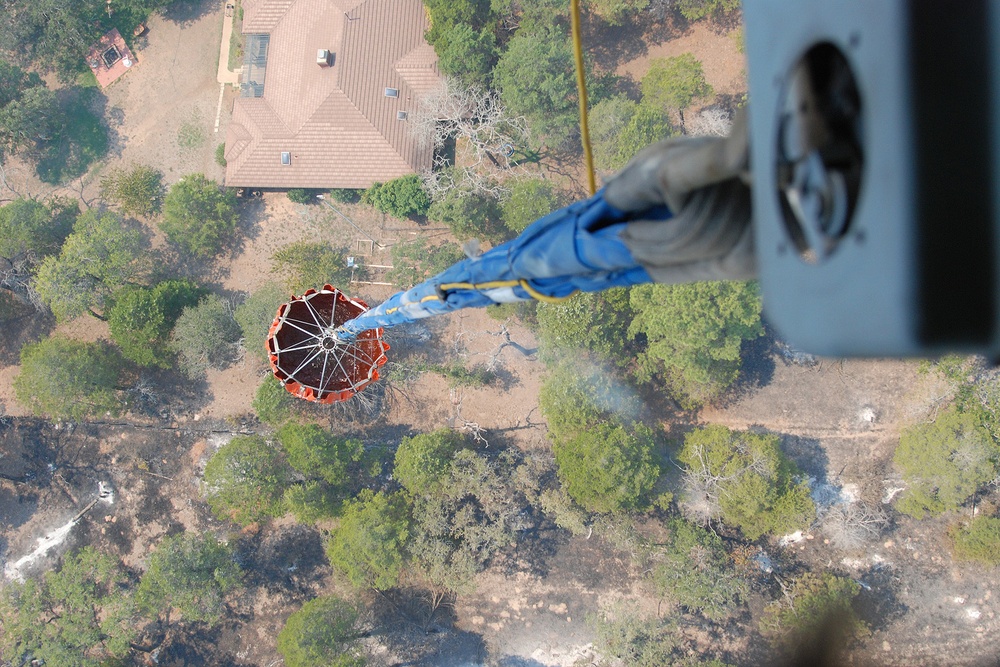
<point x="400" y="115"/>
<point x="392" y="92"/>
<point x="324" y="58"/>
<point x="286" y="158"/>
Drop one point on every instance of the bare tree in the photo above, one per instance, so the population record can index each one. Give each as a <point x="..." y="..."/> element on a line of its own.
<point x="710" y="122"/>
<point x="485" y="136"/>
<point x="851" y="526"/>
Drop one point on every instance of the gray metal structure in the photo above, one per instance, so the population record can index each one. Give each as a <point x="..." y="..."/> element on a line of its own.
<point x="874" y="145"/>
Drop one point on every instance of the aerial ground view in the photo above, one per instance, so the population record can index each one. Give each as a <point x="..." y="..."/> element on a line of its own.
<point x="647" y="475"/>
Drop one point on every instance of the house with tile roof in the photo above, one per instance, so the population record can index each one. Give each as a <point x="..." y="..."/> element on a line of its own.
<point x="325" y="92"/>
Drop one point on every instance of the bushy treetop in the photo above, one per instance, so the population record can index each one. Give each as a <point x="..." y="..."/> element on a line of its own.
<point x="944" y="462"/>
<point x="745" y="479"/>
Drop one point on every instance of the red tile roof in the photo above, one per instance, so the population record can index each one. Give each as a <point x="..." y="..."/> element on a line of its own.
<point x="337" y="123"/>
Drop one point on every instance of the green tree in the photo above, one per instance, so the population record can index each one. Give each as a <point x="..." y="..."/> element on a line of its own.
<point x="608" y="119"/>
<point x="313" y="501"/>
<point x="469" y="215"/>
<point x="323" y="633"/>
<point x="402" y="197"/>
<point x="694" y="571"/>
<point x="141" y="319"/>
<point x="693" y="334"/>
<point x="30" y="231"/>
<point x="818" y="603"/>
<point x="318" y="453"/>
<point x="647" y="125"/>
<point x="529" y="200"/>
<point x="256" y="314"/>
<point x="536" y="79"/>
<point x="272" y="403"/>
<point x="68" y="379"/>
<point x="944" y="463"/>
<point x="462" y="522"/>
<point x="31" y="120"/>
<point x="694" y="10"/>
<point x="978" y="541"/>
<point x="745" y="479"/>
<point x="608" y="467"/>
<point x="447" y="15"/>
<point x="136" y="189"/>
<point x="77" y="616"/>
<point x="191" y="573"/>
<point x="616" y="12"/>
<point x="467" y="54"/>
<point x="245" y="479"/>
<point x="101" y="256"/>
<point x="369" y="545"/>
<point x="199" y="215"/>
<point x="205" y="336"/>
<point x="14" y="81"/>
<point x="423" y="461"/>
<point x="415" y="261"/>
<point x="673" y="83"/>
<point x="597" y="322"/>
<point x="308" y="264"/>
<point x="82" y="138"/>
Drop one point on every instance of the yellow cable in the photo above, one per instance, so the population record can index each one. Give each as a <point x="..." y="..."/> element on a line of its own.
<point x="532" y="292"/>
<point x="581" y="85"/>
<point x="545" y="298"/>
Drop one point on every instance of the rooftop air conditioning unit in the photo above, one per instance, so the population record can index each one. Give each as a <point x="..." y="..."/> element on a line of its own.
<point x="324" y="58"/>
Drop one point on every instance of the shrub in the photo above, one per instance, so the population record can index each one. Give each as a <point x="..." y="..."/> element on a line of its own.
<point x="978" y="541"/>
<point x="402" y="197"/>
<point x="206" y="336"/>
<point x="307" y="264"/>
<point x="256" y="314"/>
<point x="346" y="195"/>
<point x="272" y="403"/>
<point x="819" y="603"/>
<point x="220" y="155"/>
<point x="323" y="633"/>
<point x="137" y="190"/>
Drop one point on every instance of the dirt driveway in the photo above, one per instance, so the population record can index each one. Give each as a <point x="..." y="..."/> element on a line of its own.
<point x="163" y="112"/>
